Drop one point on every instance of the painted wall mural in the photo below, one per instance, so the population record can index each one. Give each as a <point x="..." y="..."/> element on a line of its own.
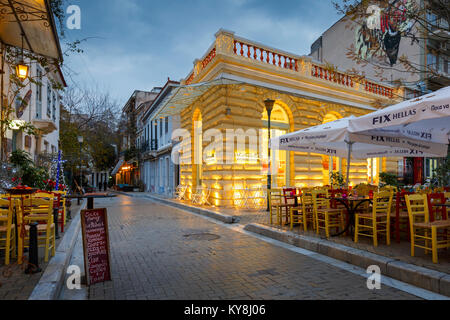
<point x="380" y="34"/>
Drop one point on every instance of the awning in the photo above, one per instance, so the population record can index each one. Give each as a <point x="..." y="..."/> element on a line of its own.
<point x="117" y="167"/>
<point x="183" y="96"/>
<point x="34" y="19"/>
<point x="424" y="120"/>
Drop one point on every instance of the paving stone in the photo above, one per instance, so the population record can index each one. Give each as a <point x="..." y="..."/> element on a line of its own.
<point x="152" y="259"/>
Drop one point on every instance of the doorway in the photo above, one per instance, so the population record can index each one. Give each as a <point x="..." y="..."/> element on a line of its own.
<point x="198" y="148"/>
<point x="280" y="159"/>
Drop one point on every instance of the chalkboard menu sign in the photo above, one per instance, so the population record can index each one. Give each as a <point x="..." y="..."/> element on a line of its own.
<point x="94" y="225"/>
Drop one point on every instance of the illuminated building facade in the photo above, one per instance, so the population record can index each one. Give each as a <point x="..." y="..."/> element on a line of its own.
<point x="222" y="101"/>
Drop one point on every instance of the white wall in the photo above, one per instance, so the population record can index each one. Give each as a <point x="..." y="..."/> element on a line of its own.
<point x="337" y="40"/>
<point x="29" y="114"/>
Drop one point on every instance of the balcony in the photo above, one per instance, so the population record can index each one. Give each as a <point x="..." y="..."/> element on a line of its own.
<point x="148" y="149"/>
<point x="46" y="126"/>
<point x="231" y="52"/>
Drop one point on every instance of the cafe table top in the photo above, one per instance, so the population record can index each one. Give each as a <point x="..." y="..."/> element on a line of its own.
<point x="90" y="196"/>
<point x="351" y="198"/>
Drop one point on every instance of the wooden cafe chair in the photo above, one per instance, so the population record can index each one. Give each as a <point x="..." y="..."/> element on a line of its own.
<point x="422" y="230"/>
<point x="378" y="220"/>
<point x="326" y="217"/>
<point x="290" y="197"/>
<point x="303" y="213"/>
<point x="8" y="229"/>
<point x="436" y="213"/>
<point x="41" y="211"/>
<point x="401" y="215"/>
<point x="275" y="203"/>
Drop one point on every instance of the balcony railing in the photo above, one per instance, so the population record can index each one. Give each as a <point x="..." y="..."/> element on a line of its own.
<point x="228" y="44"/>
<point x="154" y="145"/>
<point x="145" y="147"/>
<point x="255" y="52"/>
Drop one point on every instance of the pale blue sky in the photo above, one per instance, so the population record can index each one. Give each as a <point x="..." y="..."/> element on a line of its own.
<point x="138" y="44"/>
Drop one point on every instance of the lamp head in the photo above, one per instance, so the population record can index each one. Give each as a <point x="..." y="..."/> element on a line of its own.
<point x="269" y="105"/>
<point x="22" y="71"/>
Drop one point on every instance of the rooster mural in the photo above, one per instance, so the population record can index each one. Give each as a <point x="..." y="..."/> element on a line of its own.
<point x="381" y="33"/>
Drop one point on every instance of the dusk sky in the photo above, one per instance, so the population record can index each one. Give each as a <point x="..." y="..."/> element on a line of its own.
<point x="138" y="44"/>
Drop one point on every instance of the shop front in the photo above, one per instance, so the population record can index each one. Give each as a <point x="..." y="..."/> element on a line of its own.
<point x="125" y="176"/>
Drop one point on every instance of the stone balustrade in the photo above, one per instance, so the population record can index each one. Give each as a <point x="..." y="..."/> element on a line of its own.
<point x="246" y="49"/>
<point x="228" y="44"/>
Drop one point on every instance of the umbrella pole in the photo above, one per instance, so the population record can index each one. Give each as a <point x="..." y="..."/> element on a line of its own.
<point x="350" y="145"/>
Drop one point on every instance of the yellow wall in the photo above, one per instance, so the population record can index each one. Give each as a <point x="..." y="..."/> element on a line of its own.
<point x="246" y="104"/>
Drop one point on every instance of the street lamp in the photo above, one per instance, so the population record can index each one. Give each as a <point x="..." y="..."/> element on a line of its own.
<point x="22" y="71"/>
<point x="80" y="141"/>
<point x="21" y="68"/>
<point x="269" y="107"/>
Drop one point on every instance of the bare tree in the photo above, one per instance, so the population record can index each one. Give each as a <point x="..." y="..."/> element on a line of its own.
<point x="93" y="115"/>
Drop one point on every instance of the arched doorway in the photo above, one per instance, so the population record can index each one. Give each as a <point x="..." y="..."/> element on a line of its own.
<point x="280" y="161"/>
<point x="197" y="128"/>
<point x="330" y="164"/>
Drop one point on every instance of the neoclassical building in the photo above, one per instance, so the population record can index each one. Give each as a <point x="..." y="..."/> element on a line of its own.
<point x="224" y="95"/>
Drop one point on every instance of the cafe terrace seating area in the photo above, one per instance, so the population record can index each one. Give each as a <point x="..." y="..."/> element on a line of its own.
<point x="18" y="212"/>
<point x="410" y="224"/>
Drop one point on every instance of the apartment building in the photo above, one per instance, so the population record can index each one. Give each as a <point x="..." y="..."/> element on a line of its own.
<point x="383" y="42"/>
<point x="158" y="172"/>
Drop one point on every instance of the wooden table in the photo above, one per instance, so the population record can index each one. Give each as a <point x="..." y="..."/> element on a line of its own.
<point x="351" y="205"/>
<point x="90" y="197"/>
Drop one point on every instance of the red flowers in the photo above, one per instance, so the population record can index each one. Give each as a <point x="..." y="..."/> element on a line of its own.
<point x="20" y="186"/>
<point x="50" y="185"/>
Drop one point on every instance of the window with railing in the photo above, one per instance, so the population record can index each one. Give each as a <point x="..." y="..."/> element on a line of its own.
<point x="39" y="93"/>
<point x="167" y="125"/>
<point x="436" y="22"/>
<point x="54" y="100"/>
<point x="437" y="62"/>
<point x="49" y="100"/>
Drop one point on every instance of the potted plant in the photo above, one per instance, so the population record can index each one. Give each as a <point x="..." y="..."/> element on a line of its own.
<point x="337" y="180"/>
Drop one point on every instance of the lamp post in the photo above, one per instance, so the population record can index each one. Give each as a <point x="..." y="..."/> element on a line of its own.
<point x="80" y="141"/>
<point x="269" y="107"/>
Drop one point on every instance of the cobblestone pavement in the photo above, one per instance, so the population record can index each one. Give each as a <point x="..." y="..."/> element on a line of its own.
<point x="400" y="251"/>
<point x="14" y="283"/>
<point x="159" y="252"/>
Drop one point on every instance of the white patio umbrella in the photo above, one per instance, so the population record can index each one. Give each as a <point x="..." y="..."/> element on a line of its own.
<point x="334" y="139"/>
<point x="424" y="119"/>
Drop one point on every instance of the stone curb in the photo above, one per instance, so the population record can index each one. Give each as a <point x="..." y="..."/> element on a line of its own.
<point x="428" y="279"/>
<point x="51" y="282"/>
<point x="205" y="212"/>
